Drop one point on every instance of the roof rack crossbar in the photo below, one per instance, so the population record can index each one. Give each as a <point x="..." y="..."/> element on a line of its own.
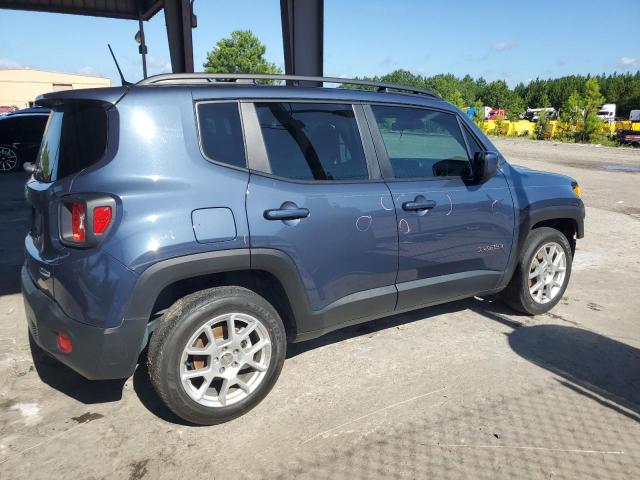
<point x="226" y="78"/>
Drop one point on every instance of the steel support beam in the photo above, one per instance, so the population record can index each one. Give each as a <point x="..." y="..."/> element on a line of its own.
<point x="180" y="20"/>
<point x="302" y="36"/>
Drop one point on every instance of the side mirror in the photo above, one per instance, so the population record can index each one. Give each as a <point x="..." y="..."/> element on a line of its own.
<point x="29" y="167"/>
<point x="485" y="166"/>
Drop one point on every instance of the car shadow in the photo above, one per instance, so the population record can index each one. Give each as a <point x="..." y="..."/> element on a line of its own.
<point x="67" y="381"/>
<point x="600" y="368"/>
<point x="148" y="396"/>
<point x="588" y="363"/>
<point x="392" y="321"/>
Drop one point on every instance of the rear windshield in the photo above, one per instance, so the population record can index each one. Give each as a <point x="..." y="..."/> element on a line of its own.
<point x="75" y="138"/>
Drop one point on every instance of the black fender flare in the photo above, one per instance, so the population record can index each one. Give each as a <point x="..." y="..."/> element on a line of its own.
<point x="529" y="216"/>
<point x="162" y="274"/>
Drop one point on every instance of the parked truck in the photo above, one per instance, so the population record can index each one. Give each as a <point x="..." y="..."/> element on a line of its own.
<point x="608" y="112"/>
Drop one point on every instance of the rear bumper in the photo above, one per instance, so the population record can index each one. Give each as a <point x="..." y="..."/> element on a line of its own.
<point x="98" y="353"/>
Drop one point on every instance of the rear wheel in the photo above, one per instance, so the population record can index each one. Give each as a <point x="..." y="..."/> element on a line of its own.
<point x="542" y="274"/>
<point x="216" y="354"/>
<point x="8" y="159"/>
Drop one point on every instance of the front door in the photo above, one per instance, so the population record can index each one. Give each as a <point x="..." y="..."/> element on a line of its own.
<point x="455" y="235"/>
<point x="316" y="199"/>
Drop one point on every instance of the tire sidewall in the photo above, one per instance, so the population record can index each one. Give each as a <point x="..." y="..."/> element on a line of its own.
<point x="177" y="338"/>
<point x="536" y="239"/>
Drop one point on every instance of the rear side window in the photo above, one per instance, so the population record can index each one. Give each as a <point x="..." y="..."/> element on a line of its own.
<point x="75" y="138"/>
<point x="221" y="133"/>
<point x="422" y="143"/>
<point x="312" y="141"/>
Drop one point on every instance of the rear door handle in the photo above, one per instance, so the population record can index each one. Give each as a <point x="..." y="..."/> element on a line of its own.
<point x="418" y="205"/>
<point x="286" y="213"/>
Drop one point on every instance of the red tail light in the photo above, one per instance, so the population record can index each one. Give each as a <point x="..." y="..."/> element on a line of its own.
<point x="78" y="221"/>
<point x="101" y="219"/>
<point x="85" y="219"/>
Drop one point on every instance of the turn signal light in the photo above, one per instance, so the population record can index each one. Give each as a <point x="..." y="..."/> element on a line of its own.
<point x="577" y="190"/>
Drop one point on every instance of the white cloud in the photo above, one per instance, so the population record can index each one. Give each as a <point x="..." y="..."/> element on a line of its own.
<point x="158" y="64"/>
<point x="629" y="62"/>
<point x="8" y="63"/>
<point x="87" y="70"/>
<point x="388" y="61"/>
<point x="502" y="46"/>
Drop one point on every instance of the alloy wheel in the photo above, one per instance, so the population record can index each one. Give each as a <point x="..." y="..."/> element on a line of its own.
<point x="225" y="360"/>
<point x="547" y="272"/>
<point x="8" y="159"/>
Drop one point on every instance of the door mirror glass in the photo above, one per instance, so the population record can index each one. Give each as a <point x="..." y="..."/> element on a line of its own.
<point x="485" y="165"/>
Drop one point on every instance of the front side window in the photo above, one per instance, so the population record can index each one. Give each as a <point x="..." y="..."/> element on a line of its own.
<point x="422" y="143"/>
<point x="221" y="133"/>
<point x="312" y="141"/>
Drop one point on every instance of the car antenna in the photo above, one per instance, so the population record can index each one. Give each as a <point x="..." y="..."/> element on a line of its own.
<point x="124" y="82"/>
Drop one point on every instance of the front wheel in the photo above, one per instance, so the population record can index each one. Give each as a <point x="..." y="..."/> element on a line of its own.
<point x="542" y="274"/>
<point x="216" y="354"/>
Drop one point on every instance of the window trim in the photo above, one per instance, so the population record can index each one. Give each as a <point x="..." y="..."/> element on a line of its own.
<point x="381" y="149"/>
<point x="196" y="104"/>
<point x="258" y="158"/>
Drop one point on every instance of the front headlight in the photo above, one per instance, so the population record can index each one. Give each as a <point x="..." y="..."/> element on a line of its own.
<point x="576" y="189"/>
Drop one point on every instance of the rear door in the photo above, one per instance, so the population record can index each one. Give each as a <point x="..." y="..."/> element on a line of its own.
<point x="315" y="193"/>
<point x="74" y="138"/>
<point x="455" y="235"/>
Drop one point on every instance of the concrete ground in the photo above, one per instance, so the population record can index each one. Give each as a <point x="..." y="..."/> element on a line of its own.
<point x="465" y="390"/>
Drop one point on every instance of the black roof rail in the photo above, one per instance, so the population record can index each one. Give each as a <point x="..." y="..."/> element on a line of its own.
<point x="189" y="78"/>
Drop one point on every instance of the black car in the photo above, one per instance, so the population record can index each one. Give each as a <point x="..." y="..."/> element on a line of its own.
<point x="20" y="137"/>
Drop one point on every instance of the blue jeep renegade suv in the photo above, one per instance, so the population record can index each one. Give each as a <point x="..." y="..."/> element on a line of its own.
<point x="213" y="219"/>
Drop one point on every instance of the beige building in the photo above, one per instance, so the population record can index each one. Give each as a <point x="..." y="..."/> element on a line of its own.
<point x="20" y="86"/>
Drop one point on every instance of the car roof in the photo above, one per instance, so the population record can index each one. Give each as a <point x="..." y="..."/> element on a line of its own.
<point x="28" y="111"/>
<point x="203" y="86"/>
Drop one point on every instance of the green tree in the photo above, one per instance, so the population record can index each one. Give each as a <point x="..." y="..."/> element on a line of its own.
<point x="571" y="114"/>
<point x="455" y="97"/>
<point x="514" y="106"/>
<point x="496" y="94"/>
<point x="593" y="99"/>
<point x="241" y="53"/>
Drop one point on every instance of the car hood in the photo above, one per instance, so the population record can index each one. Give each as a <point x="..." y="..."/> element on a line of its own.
<point x="532" y="178"/>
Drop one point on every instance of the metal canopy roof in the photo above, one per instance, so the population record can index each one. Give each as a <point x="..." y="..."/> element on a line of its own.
<point x="127" y="9"/>
<point x="302" y="26"/>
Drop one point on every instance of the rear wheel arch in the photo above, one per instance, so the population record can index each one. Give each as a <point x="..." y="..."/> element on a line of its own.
<point x="275" y="278"/>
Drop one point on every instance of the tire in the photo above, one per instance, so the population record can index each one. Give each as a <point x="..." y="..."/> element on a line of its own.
<point x="9" y="159"/>
<point x="188" y="324"/>
<point x="518" y="293"/>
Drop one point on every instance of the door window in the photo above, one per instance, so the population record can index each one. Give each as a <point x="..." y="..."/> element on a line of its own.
<point x="422" y="143"/>
<point x="474" y="146"/>
<point x="312" y="141"/>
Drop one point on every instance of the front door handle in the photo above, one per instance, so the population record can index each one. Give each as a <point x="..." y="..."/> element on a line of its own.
<point x="286" y="213"/>
<point x="418" y="204"/>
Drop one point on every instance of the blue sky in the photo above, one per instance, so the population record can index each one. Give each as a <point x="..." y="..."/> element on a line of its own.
<point x="514" y="41"/>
